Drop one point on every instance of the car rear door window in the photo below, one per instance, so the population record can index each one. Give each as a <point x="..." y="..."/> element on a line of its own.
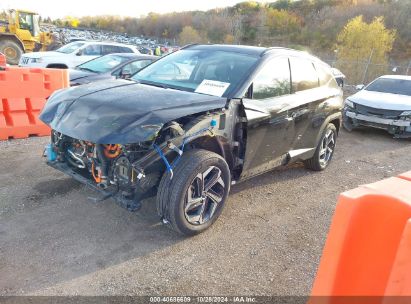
<point x="92" y="50"/>
<point x="110" y="49"/>
<point x="273" y="79"/>
<point x="124" y="49"/>
<point x="303" y="74"/>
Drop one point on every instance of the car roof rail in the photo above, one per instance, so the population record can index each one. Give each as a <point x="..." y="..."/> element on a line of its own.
<point x="273" y="48"/>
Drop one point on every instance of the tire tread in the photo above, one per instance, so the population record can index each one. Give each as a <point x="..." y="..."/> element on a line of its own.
<point x="167" y="200"/>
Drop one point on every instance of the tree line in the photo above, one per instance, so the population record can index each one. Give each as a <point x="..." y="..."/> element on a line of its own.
<point x="314" y="24"/>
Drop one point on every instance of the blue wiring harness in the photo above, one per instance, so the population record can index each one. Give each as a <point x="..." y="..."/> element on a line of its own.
<point x="180" y="150"/>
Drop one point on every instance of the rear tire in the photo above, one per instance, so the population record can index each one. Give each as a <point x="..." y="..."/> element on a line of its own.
<point x="325" y="150"/>
<point x="194" y="198"/>
<point x="11" y="50"/>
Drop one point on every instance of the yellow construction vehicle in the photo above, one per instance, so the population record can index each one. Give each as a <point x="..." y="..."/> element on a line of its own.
<point x="21" y="33"/>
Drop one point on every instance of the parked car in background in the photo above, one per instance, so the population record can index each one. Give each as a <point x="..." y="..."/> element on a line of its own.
<point x="385" y="104"/>
<point x="339" y="77"/>
<point x="192" y="123"/>
<point x="73" y="54"/>
<point x="146" y="50"/>
<point x="121" y="65"/>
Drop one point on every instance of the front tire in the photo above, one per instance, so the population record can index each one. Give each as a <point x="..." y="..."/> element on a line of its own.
<point x="11" y="50"/>
<point x="325" y="150"/>
<point x="194" y="198"/>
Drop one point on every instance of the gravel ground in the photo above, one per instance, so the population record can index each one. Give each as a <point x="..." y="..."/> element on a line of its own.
<point x="268" y="241"/>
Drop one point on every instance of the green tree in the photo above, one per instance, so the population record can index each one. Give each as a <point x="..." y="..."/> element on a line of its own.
<point x="359" y="42"/>
<point x="189" y="35"/>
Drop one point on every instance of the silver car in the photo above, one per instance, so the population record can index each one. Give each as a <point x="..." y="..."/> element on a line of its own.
<point x="385" y="103"/>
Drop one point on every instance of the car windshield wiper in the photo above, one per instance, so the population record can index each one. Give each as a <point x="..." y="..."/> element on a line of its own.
<point x="160" y="85"/>
<point x="87" y="69"/>
<point x="154" y="84"/>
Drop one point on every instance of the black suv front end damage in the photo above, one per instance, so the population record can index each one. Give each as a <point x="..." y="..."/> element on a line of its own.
<point x="129" y="172"/>
<point x="188" y="126"/>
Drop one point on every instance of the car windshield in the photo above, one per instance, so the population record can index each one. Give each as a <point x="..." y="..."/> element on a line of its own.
<point x="70" y="48"/>
<point x="102" y="64"/>
<point x="203" y="71"/>
<point x="391" y="85"/>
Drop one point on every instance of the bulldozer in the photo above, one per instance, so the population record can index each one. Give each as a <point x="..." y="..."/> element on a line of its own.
<point x="21" y="33"/>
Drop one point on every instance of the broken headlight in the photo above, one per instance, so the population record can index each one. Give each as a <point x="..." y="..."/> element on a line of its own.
<point x="349" y="104"/>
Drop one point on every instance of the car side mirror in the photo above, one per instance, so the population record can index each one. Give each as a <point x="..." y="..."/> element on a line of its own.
<point x="125" y="74"/>
<point x="79" y="53"/>
<point x="359" y="87"/>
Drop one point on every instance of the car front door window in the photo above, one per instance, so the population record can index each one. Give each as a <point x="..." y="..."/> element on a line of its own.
<point x="132" y="68"/>
<point x="273" y="80"/>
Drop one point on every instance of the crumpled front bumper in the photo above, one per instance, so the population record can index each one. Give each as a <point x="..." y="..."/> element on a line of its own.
<point x="131" y="205"/>
<point x="397" y="127"/>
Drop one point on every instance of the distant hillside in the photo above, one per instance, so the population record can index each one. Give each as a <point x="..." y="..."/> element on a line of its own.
<point x="305" y="23"/>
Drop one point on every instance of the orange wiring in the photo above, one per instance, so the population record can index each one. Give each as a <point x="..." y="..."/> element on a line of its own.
<point x="96" y="178"/>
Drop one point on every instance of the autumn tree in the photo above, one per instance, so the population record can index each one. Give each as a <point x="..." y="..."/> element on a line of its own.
<point x="282" y="22"/>
<point x="189" y="35"/>
<point x="360" y="42"/>
<point x="72" y="21"/>
<point x="3" y="15"/>
<point x="229" y="39"/>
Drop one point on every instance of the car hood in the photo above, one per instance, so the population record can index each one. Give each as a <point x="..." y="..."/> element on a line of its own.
<point x="77" y="74"/>
<point x="44" y="54"/>
<point x="121" y="111"/>
<point x="386" y="101"/>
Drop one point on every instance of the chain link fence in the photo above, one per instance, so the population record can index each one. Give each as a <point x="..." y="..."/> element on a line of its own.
<point x="363" y="72"/>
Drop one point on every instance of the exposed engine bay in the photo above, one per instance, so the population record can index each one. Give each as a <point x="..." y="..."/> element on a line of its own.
<point x="109" y="166"/>
<point x="129" y="173"/>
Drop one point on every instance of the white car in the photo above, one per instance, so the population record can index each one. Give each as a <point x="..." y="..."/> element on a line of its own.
<point x="385" y="103"/>
<point x="73" y="54"/>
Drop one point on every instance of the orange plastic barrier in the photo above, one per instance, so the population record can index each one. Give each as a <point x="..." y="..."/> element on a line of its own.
<point x="23" y="93"/>
<point x="2" y="60"/>
<point x="368" y="248"/>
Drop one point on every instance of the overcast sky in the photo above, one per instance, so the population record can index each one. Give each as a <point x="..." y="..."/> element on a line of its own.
<point x="134" y="8"/>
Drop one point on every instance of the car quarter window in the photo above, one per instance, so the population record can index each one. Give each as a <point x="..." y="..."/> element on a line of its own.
<point x="92" y="50"/>
<point x="273" y="79"/>
<point x="124" y="49"/>
<point x="303" y="74"/>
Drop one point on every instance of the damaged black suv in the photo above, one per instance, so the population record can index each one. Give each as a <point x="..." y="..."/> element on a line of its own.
<point x="193" y="123"/>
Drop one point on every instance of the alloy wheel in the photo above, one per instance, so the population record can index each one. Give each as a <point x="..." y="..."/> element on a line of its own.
<point x="327" y="147"/>
<point x="204" y="196"/>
